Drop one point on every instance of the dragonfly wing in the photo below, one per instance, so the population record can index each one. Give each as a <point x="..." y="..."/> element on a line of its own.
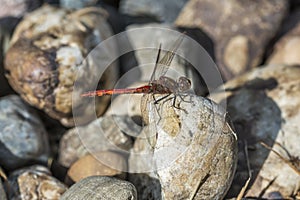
<point x="152" y="78"/>
<point x="148" y="108"/>
<point x="165" y="62"/>
<point x="152" y="134"/>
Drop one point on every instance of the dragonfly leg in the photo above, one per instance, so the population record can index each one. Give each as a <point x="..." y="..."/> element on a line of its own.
<point x="178" y="107"/>
<point x="156" y="102"/>
<point x="165" y="99"/>
<point x="182" y="99"/>
<point x="162" y="98"/>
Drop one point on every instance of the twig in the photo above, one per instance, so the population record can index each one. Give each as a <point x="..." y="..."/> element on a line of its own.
<point x="2" y="174"/>
<point x="243" y="190"/>
<point x="292" y="161"/>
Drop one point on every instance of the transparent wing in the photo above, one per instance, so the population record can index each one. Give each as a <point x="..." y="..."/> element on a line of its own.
<point x="148" y="108"/>
<point x="162" y="67"/>
<point x="156" y="64"/>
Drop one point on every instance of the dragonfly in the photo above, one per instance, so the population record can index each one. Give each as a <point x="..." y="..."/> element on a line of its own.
<point x="158" y="83"/>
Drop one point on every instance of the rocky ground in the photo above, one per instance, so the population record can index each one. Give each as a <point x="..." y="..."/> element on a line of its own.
<point x="233" y="135"/>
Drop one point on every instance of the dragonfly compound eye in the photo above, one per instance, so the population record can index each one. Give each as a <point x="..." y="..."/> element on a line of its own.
<point x="184" y="84"/>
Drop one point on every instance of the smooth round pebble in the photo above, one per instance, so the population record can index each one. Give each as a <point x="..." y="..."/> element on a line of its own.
<point x="163" y="11"/>
<point x="91" y="165"/>
<point x="23" y="138"/>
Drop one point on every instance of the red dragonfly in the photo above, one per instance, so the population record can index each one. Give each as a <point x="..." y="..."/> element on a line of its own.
<point x="159" y="83"/>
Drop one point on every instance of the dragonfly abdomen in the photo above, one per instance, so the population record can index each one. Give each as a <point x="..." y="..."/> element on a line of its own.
<point x="142" y="89"/>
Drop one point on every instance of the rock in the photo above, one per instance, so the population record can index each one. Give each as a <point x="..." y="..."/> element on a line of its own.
<point x="51" y="50"/>
<point x="263" y="105"/>
<point x="22" y="135"/>
<point x="148" y="187"/>
<point x="195" y="148"/>
<point x="76" y="4"/>
<point x="141" y="155"/>
<point x="17" y="8"/>
<point x="102" y="134"/>
<point x="162" y="11"/>
<point x="240" y="30"/>
<point x="34" y="183"/>
<point x="98" y="187"/>
<point x="2" y="192"/>
<point x="141" y="172"/>
<point x="91" y="165"/>
<point x="287" y="48"/>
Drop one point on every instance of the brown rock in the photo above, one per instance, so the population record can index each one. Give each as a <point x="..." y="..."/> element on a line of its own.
<point x="47" y="57"/>
<point x="34" y="183"/>
<point x="287" y="49"/>
<point x="233" y="58"/>
<point x="91" y="165"/>
<point x="227" y="22"/>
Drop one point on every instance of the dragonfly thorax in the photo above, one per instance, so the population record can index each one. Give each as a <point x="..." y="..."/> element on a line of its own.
<point x="168" y="85"/>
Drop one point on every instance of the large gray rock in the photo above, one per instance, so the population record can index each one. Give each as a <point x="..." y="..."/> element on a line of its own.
<point x="264" y="107"/>
<point x="23" y="138"/>
<point x="194" y="147"/>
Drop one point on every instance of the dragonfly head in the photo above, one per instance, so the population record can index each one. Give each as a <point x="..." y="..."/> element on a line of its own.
<point x="184" y="84"/>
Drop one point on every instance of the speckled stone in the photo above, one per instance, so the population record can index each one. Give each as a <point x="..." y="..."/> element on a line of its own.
<point x="195" y="148"/>
<point x="99" y="187"/>
<point x="49" y="48"/>
<point x="34" y="182"/>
